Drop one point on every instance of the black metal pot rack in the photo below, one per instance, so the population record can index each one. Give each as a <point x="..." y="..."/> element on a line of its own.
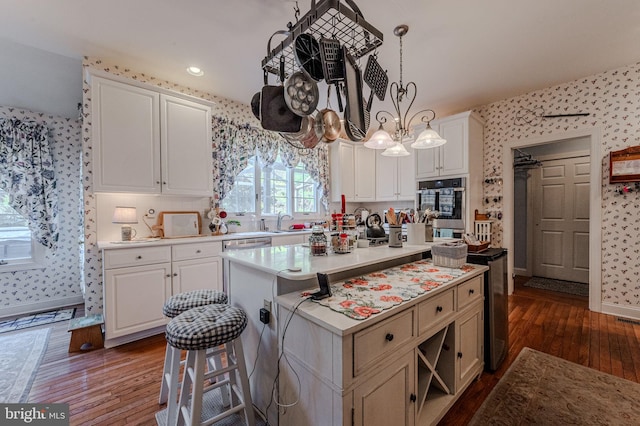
<point x="330" y="19"/>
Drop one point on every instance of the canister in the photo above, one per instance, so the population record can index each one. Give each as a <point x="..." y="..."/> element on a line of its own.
<point x="395" y="235"/>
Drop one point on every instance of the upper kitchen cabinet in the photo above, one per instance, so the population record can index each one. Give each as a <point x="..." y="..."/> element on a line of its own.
<point x="461" y="155"/>
<point x="353" y="172"/>
<point x="395" y="176"/>
<point x="149" y="142"/>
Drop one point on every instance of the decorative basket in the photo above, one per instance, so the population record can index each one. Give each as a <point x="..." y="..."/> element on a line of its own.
<point x="476" y="248"/>
<point x="450" y="255"/>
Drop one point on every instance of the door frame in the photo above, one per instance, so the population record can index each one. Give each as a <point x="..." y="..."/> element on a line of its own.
<point x="595" y="212"/>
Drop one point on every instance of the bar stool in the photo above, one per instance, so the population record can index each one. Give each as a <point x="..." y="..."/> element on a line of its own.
<point x="173" y="307"/>
<point x="196" y="331"/>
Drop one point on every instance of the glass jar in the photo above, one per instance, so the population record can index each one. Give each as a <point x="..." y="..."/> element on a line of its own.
<point x="318" y="241"/>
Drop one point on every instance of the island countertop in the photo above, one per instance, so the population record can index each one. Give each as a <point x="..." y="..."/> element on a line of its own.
<point x="294" y="262"/>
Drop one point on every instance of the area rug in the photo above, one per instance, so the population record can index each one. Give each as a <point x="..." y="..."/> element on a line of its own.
<point x="546" y="390"/>
<point x="37" y="319"/>
<point x="20" y="356"/>
<point x="570" y="287"/>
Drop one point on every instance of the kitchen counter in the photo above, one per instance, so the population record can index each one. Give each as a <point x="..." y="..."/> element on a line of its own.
<point x="197" y="239"/>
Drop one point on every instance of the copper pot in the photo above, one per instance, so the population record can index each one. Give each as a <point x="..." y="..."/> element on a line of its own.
<point x="327" y="125"/>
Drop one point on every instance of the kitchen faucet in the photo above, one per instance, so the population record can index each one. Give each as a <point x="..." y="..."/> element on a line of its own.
<point x="280" y="217"/>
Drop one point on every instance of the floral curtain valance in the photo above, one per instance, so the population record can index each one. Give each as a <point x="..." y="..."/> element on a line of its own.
<point x="237" y="143"/>
<point x="27" y="175"/>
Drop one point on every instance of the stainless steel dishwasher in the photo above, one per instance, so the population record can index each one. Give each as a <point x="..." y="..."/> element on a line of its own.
<point x="246" y="243"/>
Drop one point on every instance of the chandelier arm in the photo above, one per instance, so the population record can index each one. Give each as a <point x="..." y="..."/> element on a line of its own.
<point x="403" y="123"/>
<point x="394" y="91"/>
<point x="380" y="118"/>
<point x="422" y="119"/>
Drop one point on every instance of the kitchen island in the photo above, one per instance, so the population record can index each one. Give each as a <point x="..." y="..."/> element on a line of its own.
<point x="255" y="278"/>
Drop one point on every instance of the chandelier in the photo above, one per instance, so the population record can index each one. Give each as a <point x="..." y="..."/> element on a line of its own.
<point x="392" y="144"/>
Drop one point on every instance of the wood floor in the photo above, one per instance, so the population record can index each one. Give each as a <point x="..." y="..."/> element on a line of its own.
<point x="119" y="386"/>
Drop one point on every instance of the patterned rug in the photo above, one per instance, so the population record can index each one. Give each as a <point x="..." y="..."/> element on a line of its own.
<point x="20" y="356"/>
<point x="37" y="319"/>
<point x="366" y="295"/>
<point x="542" y="389"/>
<point x="570" y="287"/>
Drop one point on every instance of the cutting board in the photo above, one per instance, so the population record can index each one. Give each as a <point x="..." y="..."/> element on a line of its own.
<point x="178" y="224"/>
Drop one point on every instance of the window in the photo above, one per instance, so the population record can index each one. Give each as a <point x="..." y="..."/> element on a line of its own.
<point x="16" y="245"/>
<point x="283" y="189"/>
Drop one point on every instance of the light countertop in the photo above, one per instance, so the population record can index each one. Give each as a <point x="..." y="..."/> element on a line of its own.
<point x="279" y="260"/>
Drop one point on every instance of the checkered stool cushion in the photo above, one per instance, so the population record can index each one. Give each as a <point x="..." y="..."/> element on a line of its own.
<point x="205" y="327"/>
<point x="192" y="299"/>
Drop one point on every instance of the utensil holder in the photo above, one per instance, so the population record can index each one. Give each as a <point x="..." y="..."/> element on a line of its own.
<point x="395" y="235"/>
<point x="428" y="233"/>
<point x="415" y="233"/>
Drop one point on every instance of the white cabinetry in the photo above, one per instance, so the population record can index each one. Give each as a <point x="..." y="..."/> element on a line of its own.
<point x="461" y="155"/>
<point x="407" y="367"/>
<point x="149" y="142"/>
<point x="395" y="176"/>
<point x="353" y="169"/>
<point x="138" y="280"/>
<point x="288" y="239"/>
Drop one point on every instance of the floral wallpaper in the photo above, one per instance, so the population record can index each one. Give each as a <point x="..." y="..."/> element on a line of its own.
<point x="612" y="99"/>
<point x="61" y="279"/>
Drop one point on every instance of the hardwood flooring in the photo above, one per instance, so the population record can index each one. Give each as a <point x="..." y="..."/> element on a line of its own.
<point x="119" y="386"/>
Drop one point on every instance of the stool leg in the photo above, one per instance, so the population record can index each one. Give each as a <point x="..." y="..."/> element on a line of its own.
<point x="172" y="383"/>
<point x="164" y="389"/>
<point x="244" y="382"/>
<point x="215" y="363"/>
<point x="194" y="373"/>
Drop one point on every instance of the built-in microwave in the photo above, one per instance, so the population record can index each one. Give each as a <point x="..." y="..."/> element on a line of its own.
<point x="445" y="196"/>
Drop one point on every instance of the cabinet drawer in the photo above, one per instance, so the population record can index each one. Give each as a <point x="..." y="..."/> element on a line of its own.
<point x="196" y="251"/>
<point x="136" y="256"/>
<point x="375" y="342"/>
<point x="433" y="310"/>
<point x="469" y="291"/>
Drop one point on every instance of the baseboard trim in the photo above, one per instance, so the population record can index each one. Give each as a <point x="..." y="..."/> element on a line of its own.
<point x="31" y="308"/>
<point x="521" y="271"/>
<point x="621" y="311"/>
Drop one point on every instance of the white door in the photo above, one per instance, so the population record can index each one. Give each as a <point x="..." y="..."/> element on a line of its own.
<point x="365" y="173"/>
<point x="197" y="274"/>
<point x="561" y="219"/>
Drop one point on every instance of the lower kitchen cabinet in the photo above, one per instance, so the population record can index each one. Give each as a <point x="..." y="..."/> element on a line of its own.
<point x="406" y="366"/>
<point x="385" y="399"/>
<point x="138" y="281"/>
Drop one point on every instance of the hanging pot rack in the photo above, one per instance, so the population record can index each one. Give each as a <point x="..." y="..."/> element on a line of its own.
<point x="326" y="18"/>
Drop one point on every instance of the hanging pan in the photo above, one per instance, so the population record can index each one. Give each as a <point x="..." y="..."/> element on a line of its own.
<point x="301" y="94"/>
<point x="307" y="52"/>
<point x="354" y="117"/>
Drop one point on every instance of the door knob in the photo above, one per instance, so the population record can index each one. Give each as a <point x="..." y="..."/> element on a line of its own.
<point x="439" y="309"/>
<point x="389" y="337"/>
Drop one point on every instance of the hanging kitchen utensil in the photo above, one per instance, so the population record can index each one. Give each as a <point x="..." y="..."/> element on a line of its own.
<point x="376" y="78"/>
<point x="275" y="114"/>
<point x="354" y="112"/>
<point x="332" y="65"/>
<point x="312" y="138"/>
<point x="255" y="105"/>
<point x="307" y="52"/>
<point x="301" y="94"/>
<point x="329" y="122"/>
<point x="305" y="127"/>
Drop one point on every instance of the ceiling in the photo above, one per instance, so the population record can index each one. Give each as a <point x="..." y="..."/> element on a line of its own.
<point x="461" y="53"/>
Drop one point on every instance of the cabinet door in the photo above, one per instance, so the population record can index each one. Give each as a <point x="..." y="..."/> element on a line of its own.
<point x="342" y="171"/>
<point x="385" y="399"/>
<point x="469" y="345"/>
<point x="407" y="175"/>
<point x="386" y="177"/>
<point x="365" y="173"/>
<point x="187" y="163"/>
<point x="126" y="137"/>
<point x="427" y="162"/>
<point x="454" y="154"/>
<point x="197" y="274"/>
<point x="133" y="298"/>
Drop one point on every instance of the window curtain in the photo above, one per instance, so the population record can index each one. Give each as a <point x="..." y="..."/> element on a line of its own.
<point x="237" y="143"/>
<point x="27" y="175"/>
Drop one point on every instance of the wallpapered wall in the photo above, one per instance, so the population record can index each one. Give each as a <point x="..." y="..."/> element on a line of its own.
<point x="61" y="279"/>
<point x="612" y="99"/>
<point x="225" y="108"/>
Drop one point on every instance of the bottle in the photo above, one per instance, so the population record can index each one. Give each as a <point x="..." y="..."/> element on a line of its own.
<point x="318" y="241"/>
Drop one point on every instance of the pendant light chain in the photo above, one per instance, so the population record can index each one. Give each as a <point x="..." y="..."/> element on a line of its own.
<point x="401" y="91"/>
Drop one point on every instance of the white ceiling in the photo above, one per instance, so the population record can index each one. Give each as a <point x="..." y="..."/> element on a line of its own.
<point x="461" y="53"/>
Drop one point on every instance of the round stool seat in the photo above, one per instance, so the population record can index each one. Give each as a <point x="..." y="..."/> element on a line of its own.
<point x="205" y="327"/>
<point x="182" y="302"/>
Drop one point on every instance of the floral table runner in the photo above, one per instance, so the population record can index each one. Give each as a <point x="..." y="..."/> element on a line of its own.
<point x="369" y="294"/>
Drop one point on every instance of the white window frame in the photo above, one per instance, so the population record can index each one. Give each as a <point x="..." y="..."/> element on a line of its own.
<point x="290" y="198"/>
<point x="36" y="261"/>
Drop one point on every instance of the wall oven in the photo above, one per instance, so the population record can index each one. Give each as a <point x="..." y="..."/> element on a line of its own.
<point x="446" y="196"/>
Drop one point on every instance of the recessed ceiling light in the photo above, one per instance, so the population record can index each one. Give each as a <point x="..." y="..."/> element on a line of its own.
<point x="195" y="71"/>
